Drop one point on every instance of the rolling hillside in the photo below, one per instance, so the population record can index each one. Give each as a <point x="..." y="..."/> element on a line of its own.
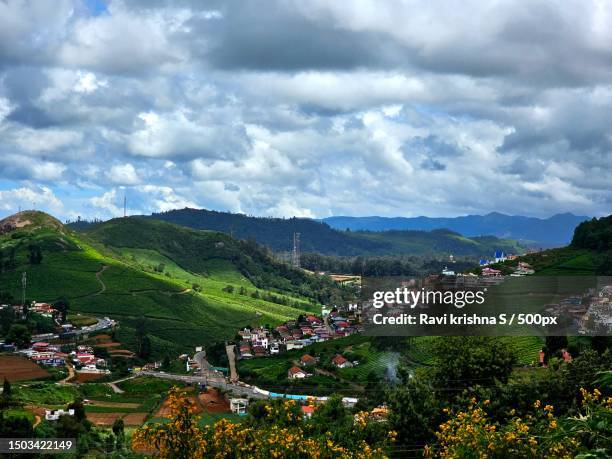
<point x="277" y="234"/>
<point x="190" y="287"/>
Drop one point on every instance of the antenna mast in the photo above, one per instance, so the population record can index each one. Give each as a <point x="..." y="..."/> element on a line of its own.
<point x="24" y="284"/>
<point x="124" y="205"/>
<point x="295" y="255"/>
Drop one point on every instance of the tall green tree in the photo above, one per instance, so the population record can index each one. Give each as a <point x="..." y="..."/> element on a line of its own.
<point x="19" y="335"/>
<point x="468" y="361"/>
<point x="62" y="306"/>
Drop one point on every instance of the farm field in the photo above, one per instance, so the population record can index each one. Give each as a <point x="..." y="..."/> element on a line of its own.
<point x="15" y="368"/>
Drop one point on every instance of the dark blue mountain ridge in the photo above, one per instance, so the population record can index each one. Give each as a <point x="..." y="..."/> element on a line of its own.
<point x="555" y="230"/>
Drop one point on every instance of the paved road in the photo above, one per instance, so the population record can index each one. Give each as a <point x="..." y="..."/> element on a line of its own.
<point x="220" y="383"/>
<point x="102" y="324"/>
<point x="115" y="388"/>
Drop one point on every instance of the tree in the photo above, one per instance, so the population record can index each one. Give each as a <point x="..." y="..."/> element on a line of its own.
<point x="143" y="342"/>
<point x="145" y="348"/>
<point x="79" y="410"/>
<point x="118" y="430"/>
<point x="414" y="412"/>
<point x="6" y="394"/>
<point x="555" y="344"/>
<point x="468" y="361"/>
<point x="62" y="305"/>
<point x="7" y="318"/>
<point x="19" y="335"/>
<point x="15" y="427"/>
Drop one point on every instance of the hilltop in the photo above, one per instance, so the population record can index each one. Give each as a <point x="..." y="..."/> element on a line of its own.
<point x="30" y="219"/>
<point x="318" y="237"/>
<point x="184" y="287"/>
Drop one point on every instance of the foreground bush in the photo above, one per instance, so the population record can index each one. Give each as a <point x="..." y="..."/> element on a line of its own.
<point x="181" y="437"/>
<point x="473" y="434"/>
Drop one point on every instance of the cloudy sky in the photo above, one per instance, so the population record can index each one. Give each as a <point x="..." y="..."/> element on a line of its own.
<point x="313" y="108"/>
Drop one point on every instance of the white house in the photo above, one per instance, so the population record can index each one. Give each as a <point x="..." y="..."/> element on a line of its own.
<point x="296" y="372"/>
<point x="54" y="415"/>
<point x="239" y="405"/>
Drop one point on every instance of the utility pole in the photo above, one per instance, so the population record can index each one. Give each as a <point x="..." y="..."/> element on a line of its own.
<point x="24" y="283"/>
<point x="295" y="255"/>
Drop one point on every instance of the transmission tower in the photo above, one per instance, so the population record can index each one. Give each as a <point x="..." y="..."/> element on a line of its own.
<point x="295" y="255"/>
<point x="24" y="283"/>
<point x="124" y="205"/>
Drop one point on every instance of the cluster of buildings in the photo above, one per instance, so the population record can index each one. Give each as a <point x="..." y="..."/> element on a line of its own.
<point x="296" y="334"/>
<point x="86" y="362"/>
<point x="498" y="257"/>
<point x="307" y="361"/>
<point x="44" y="309"/>
<point x="46" y="354"/>
<point x="82" y="357"/>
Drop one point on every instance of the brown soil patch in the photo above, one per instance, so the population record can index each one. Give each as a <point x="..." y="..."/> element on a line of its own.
<point x="134" y="419"/>
<point x="123" y="352"/>
<point x="115" y="404"/>
<point x="87" y="377"/>
<point x="104" y="419"/>
<point x="15" y="368"/>
<point x="214" y="402"/>
<point x="164" y="410"/>
<point x="102" y="337"/>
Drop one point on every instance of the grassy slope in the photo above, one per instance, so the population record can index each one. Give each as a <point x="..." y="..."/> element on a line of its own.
<point x="177" y="318"/>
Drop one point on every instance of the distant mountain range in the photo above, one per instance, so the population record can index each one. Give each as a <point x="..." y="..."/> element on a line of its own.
<point x="554" y="231"/>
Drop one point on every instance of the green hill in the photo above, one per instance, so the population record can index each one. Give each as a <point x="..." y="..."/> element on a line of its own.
<point x="188" y="287"/>
<point x="318" y="237"/>
<point x="590" y="253"/>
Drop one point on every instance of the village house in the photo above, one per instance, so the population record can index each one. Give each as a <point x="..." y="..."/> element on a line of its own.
<point x="307" y="360"/>
<point x="239" y="405"/>
<point x="296" y="372"/>
<point x="491" y="272"/>
<point x="54" y="415"/>
<point x="340" y="362"/>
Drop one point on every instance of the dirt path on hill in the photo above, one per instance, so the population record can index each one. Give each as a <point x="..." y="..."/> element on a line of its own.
<point x="71" y="374"/>
<point x="99" y="278"/>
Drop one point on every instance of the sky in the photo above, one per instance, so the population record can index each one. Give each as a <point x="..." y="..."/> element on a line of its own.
<point x="310" y="109"/>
